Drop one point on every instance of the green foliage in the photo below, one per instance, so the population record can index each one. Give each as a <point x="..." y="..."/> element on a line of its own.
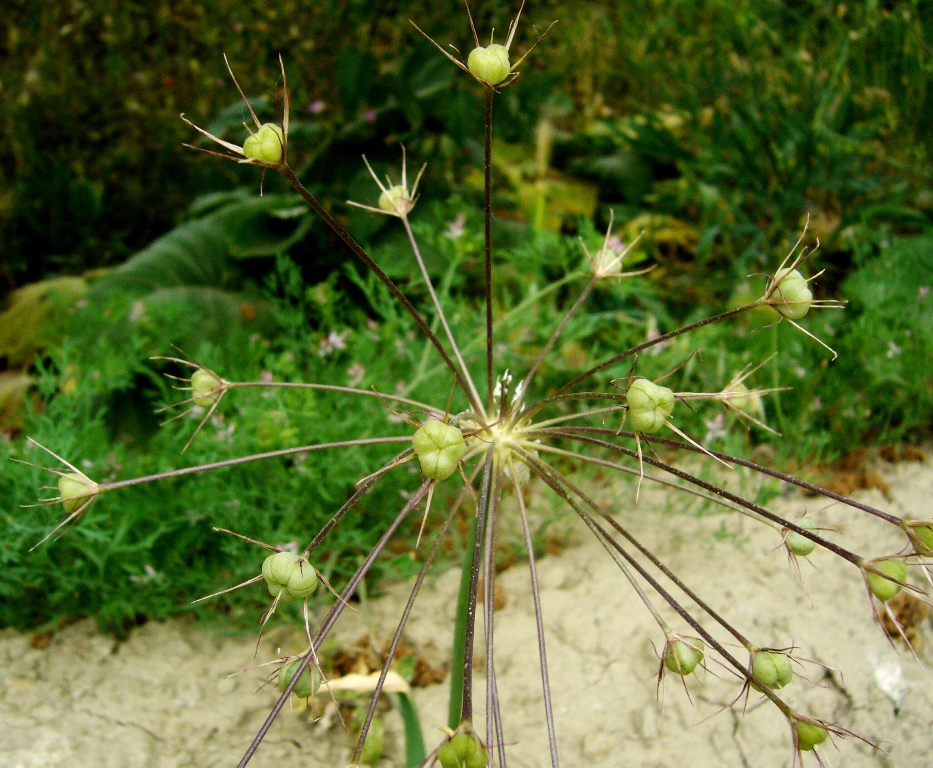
<point x="149" y="550"/>
<point x="745" y="113"/>
<point x="204" y="251"/>
<point x="36" y="315"/>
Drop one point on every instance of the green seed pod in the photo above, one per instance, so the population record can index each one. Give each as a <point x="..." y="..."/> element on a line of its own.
<point x="792" y="298"/>
<point x="278" y="568"/>
<point x="683" y="656"/>
<point x="303" y="580"/>
<point x="922" y="536"/>
<point x="797" y="543"/>
<point x="649" y="405"/>
<point x="489" y="64"/>
<point x="266" y="145"/>
<point x="463" y="750"/>
<point x="745" y="401"/>
<point x="439" y="447"/>
<point x="882" y="588"/>
<point x="395" y="200"/>
<point x="76" y="491"/>
<point x="205" y="388"/>
<point x="773" y="669"/>
<point x="305" y="685"/>
<point x="809" y="735"/>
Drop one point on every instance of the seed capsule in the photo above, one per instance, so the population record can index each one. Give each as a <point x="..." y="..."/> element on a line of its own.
<point x="395" y="200"/>
<point x="266" y="145"/>
<point x="882" y="588"/>
<point x="439" y="447"/>
<point x="305" y="685"/>
<point x="649" y="405"/>
<point x="205" y="388"/>
<point x="809" y="735"/>
<point x="923" y="539"/>
<point x="464" y="750"/>
<point x="797" y="543"/>
<point x="76" y="491"/>
<point x="490" y="64"/>
<point x="772" y="669"/>
<point x="792" y="298"/>
<point x="683" y="656"/>
<point x="303" y="580"/>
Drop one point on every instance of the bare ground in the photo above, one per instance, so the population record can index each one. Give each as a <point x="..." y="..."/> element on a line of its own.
<point x="162" y="699"/>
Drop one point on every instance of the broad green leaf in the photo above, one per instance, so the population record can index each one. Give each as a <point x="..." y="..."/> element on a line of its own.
<point x="36" y="316"/>
<point x="204" y="251"/>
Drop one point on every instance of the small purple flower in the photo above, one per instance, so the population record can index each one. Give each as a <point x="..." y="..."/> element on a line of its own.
<point x="923" y="292"/>
<point x="316" y="106"/>
<point x="370" y="115"/>
<point x="715" y="428"/>
<point x="456" y="228"/>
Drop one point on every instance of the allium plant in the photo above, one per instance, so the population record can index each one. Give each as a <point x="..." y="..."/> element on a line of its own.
<point x="503" y="434"/>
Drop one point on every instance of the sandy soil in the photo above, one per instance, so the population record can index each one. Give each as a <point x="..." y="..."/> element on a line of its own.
<point x="162" y="699"/>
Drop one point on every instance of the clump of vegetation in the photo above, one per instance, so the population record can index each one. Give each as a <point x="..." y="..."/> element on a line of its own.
<point x="476" y="448"/>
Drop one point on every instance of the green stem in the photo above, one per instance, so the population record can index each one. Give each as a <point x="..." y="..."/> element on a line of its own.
<point x="482" y="509"/>
<point x="460" y="625"/>
<point x="415" y="752"/>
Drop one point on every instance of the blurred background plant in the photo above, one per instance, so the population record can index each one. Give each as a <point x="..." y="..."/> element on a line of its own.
<point x="715" y="128"/>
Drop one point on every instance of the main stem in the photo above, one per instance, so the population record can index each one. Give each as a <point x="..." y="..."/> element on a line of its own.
<point x="466" y="708"/>
<point x="487" y="216"/>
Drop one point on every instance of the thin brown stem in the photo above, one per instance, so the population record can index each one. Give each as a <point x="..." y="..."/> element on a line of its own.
<point x="361" y="254"/>
<point x="658" y="340"/>
<point x="489" y="603"/>
<point x="557" y="481"/>
<point x="845" y="554"/>
<point x="397" y="637"/>
<point x="329" y="388"/>
<point x="246" y="459"/>
<point x="331" y="619"/>
<point x="487" y="223"/>
<point x="526" y="382"/>
<point x="440" y="311"/>
<point x="365" y="488"/>
<point x="539" y="621"/>
<point x="653" y="478"/>
<point x="658" y="564"/>
<point x="893" y="519"/>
